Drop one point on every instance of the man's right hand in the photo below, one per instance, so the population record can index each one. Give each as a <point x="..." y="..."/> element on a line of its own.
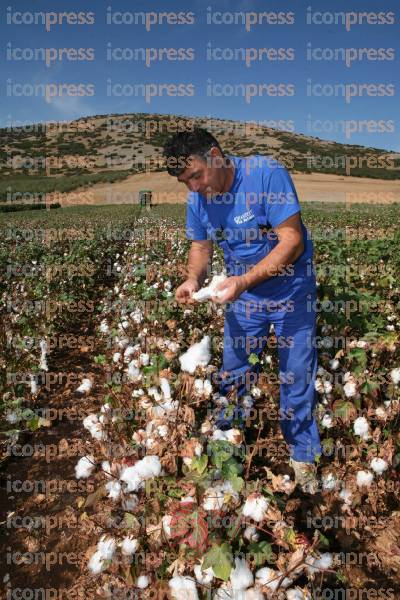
<point x="184" y="292"/>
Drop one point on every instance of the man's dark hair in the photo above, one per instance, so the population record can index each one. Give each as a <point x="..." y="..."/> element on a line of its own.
<point x="183" y="144"/>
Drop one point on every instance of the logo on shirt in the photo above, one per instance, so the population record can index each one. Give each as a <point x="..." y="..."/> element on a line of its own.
<point x="247" y="216"/>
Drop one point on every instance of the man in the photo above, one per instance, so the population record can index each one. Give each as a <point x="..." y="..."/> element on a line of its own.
<point x="249" y="207"/>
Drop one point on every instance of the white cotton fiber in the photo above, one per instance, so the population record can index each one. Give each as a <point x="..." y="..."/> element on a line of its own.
<point x="85" y="386"/>
<point x="207" y="292"/>
<point x="364" y="478"/>
<point x="106" y="547"/>
<point x="183" y="588"/>
<point x="378" y="465"/>
<point x="361" y="428"/>
<point x="129" y="545"/>
<point x="85" y="467"/>
<point x="255" y="507"/>
<point x="114" y="489"/>
<point x="198" y="355"/>
<point x="241" y="577"/>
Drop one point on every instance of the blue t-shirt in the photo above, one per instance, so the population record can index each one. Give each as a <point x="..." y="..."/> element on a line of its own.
<point x="262" y="191"/>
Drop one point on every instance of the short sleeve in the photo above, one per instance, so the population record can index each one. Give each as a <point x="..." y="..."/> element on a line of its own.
<point x="195" y="229"/>
<point x="280" y="195"/>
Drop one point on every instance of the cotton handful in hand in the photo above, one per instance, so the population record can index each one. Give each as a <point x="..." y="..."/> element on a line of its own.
<point x="210" y="290"/>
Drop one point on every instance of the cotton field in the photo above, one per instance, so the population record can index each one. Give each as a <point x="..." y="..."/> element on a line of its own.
<point x="167" y="501"/>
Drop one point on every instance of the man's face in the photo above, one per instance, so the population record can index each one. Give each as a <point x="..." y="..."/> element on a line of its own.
<point x="204" y="177"/>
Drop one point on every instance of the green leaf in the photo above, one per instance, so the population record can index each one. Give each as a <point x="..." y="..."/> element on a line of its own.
<point x="261" y="551"/>
<point x="100" y="359"/>
<point x="237" y="483"/>
<point x="253" y="359"/>
<point x="199" y="463"/>
<point x="219" y="557"/>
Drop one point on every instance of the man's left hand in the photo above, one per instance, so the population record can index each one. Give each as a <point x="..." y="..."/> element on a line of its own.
<point x="232" y="287"/>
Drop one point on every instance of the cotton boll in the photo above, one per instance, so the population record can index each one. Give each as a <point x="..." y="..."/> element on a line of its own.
<point x="129" y="350"/>
<point x="130" y="477"/>
<point x="380" y="412"/>
<point x="361" y="428"/>
<point x="198" y="386"/>
<point x="197" y="355"/>
<point x="154" y="393"/>
<point x="173" y="347"/>
<point x="319" y="386"/>
<point x="378" y="465"/>
<point x="106" y="547"/>
<point x="85" y="467"/>
<point x="90" y="421"/>
<point x="270" y="578"/>
<point x="329" y="482"/>
<point x="321" y="563"/>
<point x="334" y="364"/>
<point x="162" y="431"/>
<point x="166" y="524"/>
<point x="116" y="356"/>
<point x="144" y="359"/>
<point x="327" y="387"/>
<point x="12" y="417"/>
<point x="203" y="577"/>
<point x="104" y="326"/>
<point x="255" y="507"/>
<point x="350" y="387"/>
<point x="33" y="384"/>
<point x="256" y="392"/>
<point x="129" y="545"/>
<point x="106" y="467"/>
<point x="364" y="478"/>
<point x="251" y="534"/>
<point x="241" y="577"/>
<point x="85" y="386"/>
<point x="142" y="582"/>
<point x="149" y="466"/>
<point x="114" y="489"/>
<point x="207" y="390"/>
<point x="165" y="388"/>
<point x="395" y="375"/>
<point x="213" y="498"/>
<point x="96" y="563"/>
<point x="327" y="421"/>
<point x="346" y="496"/>
<point x="133" y="371"/>
<point x="183" y="588"/>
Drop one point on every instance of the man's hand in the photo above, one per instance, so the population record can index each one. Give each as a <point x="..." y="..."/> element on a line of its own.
<point x="184" y="292"/>
<point x="232" y="287"/>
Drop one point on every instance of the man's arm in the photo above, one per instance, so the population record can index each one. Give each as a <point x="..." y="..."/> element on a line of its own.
<point x="200" y="256"/>
<point x="290" y="246"/>
<point x="288" y="249"/>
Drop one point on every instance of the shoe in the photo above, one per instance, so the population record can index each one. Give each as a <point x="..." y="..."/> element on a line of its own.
<point x="305" y="475"/>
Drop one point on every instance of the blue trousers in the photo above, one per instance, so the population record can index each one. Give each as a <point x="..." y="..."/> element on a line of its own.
<point x="288" y="304"/>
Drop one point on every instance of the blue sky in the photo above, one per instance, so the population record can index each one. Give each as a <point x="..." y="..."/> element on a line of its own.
<point x="299" y="112"/>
